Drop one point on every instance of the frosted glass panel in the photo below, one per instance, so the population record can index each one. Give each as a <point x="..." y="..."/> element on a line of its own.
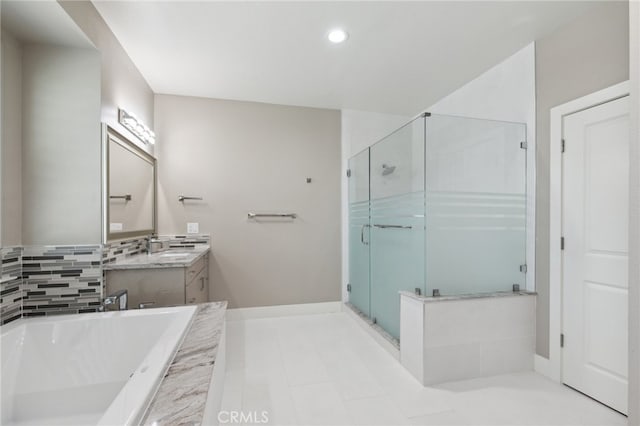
<point x="438" y="204"/>
<point x="475" y="205"/>
<point x="397" y="222"/>
<point x="359" y="231"/>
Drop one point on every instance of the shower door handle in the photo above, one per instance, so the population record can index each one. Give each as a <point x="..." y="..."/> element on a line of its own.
<point x="366" y="243"/>
<point x="393" y="226"/>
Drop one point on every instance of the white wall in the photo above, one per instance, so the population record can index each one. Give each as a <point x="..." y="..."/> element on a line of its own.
<point x="246" y="157"/>
<point x="505" y="92"/>
<point x="61" y="200"/>
<point x="11" y="146"/>
<point x="634" y="218"/>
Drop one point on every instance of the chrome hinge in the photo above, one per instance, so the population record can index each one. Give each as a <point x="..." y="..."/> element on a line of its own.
<point x="562" y="149"/>
<point x="523" y="268"/>
<point x="562" y="340"/>
<point x="348" y="173"/>
<point x="523" y="145"/>
<point x="349" y="288"/>
<point x="561" y="243"/>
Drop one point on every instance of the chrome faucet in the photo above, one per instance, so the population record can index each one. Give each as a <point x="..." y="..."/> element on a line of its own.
<point x="118" y="301"/>
<point x="155" y="245"/>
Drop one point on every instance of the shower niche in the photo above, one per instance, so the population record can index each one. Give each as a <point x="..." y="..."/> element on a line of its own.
<point x="437" y="208"/>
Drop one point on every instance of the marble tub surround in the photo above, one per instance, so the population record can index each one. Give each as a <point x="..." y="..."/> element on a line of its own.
<point x="185" y="396"/>
<point x="172" y="258"/>
<point x="444" y="339"/>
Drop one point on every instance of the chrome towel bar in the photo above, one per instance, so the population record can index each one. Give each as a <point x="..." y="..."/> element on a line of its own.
<point x="126" y="197"/>
<point x="255" y="215"/>
<point x="393" y="226"/>
<point x="181" y="198"/>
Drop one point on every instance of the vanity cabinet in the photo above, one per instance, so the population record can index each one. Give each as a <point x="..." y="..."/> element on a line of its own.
<point x="197" y="282"/>
<point x="162" y="286"/>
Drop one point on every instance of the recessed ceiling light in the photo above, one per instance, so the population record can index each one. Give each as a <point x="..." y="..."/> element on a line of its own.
<point x="337" y="36"/>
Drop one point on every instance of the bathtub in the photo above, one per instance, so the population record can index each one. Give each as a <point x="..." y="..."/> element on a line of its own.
<point x="101" y="368"/>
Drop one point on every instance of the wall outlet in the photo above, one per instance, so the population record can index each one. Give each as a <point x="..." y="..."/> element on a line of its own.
<point x="115" y="227"/>
<point x="193" y="228"/>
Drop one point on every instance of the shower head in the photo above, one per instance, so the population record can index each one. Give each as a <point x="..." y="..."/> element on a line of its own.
<point x="387" y="170"/>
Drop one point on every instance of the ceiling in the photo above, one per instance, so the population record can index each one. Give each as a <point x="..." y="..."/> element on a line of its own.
<point x="42" y="22"/>
<point x="401" y="57"/>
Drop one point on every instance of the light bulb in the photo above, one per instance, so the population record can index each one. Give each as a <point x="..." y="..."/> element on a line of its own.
<point x="337" y="36"/>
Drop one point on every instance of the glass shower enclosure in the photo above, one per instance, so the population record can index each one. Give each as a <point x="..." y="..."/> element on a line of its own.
<point x="437" y="207"/>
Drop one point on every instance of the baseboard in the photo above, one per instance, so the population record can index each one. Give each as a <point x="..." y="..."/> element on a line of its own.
<point x="542" y="366"/>
<point x="386" y="345"/>
<point x="258" y="312"/>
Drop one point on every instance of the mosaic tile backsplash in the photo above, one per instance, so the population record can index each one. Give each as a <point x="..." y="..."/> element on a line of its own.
<point x="10" y="284"/>
<point x="61" y="279"/>
<point x="125" y="248"/>
<point x="187" y="241"/>
<point x="51" y="280"/>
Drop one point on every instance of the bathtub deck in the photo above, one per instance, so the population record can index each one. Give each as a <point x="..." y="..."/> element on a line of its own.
<point x="182" y="395"/>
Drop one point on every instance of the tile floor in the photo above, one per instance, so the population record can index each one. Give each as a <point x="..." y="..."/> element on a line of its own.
<point x="325" y="370"/>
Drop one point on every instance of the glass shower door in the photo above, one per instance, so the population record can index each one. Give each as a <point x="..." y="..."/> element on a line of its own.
<point x="397" y="222"/>
<point x="359" y="231"/>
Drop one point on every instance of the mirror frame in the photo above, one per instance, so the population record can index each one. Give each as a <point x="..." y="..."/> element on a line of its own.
<point x="110" y="134"/>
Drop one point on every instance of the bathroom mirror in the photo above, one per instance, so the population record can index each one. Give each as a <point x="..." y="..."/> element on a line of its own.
<point x="130" y="188"/>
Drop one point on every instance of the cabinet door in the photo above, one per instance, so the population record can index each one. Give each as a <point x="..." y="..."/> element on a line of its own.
<point x="196" y="290"/>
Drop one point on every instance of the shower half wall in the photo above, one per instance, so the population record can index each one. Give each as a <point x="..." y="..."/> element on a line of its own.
<point x="438" y="207"/>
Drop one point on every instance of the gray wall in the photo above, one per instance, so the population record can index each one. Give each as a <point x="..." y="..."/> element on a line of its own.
<point x="122" y="85"/>
<point x="61" y="202"/>
<point x="634" y="219"/>
<point x="582" y="57"/>
<point x="11" y="146"/>
<point x="250" y="157"/>
<point x="53" y="100"/>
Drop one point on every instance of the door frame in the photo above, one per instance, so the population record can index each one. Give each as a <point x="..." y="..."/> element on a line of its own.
<point x="552" y="367"/>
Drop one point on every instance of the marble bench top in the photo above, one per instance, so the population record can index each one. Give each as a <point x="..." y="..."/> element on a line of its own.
<point x="182" y="394"/>
<point x="430" y="299"/>
<point x="173" y="258"/>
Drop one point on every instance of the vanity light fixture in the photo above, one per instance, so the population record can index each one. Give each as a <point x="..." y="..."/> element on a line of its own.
<point x="337" y="35"/>
<point x="137" y="127"/>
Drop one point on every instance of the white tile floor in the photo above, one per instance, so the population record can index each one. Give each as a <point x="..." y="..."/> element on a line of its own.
<point x="325" y="370"/>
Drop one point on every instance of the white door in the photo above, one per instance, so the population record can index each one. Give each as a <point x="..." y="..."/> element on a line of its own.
<point x="595" y="219"/>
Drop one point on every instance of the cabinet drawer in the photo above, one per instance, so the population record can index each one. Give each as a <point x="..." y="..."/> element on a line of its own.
<point x="193" y="270"/>
<point x="197" y="290"/>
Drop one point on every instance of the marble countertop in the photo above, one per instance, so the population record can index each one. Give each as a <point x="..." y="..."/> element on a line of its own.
<point x="182" y="394"/>
<point x="429" y="299"/>
<point x="172" y="258"/>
